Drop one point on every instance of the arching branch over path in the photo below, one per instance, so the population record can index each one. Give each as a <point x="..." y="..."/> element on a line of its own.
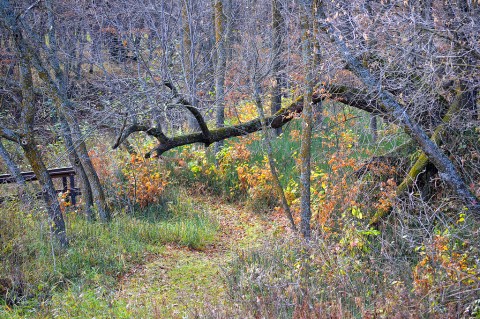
<point x="345" y="94"/>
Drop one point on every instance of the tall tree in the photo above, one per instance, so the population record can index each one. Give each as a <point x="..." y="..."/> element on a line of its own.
<point x="395" y="112"/>
<point x="307" y="118"/>
<point x="219" y="24"/>
<point x="26" y="134"/>
<point x="278" y="26"/>
<point x="56" y="81"/>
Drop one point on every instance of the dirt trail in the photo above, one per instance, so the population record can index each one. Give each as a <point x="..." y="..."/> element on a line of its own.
<point x="180" y="281"/>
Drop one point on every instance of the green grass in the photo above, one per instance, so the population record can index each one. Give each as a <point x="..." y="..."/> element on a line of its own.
<point x="78" y="282"/>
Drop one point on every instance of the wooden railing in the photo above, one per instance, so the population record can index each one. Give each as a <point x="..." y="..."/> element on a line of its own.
<point x="67" y="174"/>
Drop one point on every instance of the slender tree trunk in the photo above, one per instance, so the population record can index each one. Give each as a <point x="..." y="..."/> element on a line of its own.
<point x="189" y="60"/>
<point x="373" y="128"/>
<point x="316" y="60"/>
<point x="267" y="137"/>
<point x="57" y="224"/>
<point x="77" y="165"/>
<point x="92" y="176"/>
<point x="307" y="122"/>
<point x="277" y="33"/>
<point x="220" y="68"/>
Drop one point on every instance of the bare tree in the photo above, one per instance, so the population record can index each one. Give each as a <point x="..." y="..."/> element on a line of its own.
<point x="25" y="136"/>
<point x="278" y="26"/>
<point x="220" y="22"/>
<point x="307" y="118"/>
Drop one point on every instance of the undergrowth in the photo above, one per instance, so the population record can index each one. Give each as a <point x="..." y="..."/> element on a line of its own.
<point x="330" y="277"/>
<point x="36" y="279"/>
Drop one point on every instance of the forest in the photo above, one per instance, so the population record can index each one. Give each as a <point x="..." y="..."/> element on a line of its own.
<point x="239" y="159"/>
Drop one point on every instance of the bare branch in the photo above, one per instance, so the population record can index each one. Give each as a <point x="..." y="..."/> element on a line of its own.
<point x="198" y="116"/>
<point x="152" y="131"/>
<point x="9" y="135"/>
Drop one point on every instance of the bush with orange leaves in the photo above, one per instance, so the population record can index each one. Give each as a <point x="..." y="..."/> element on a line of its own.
<point x="257" y="182"/>
<point x="144" y="181"/>
<point x="447" y="266"/>
<point x="333" y="188"/>
<point x="131" y="178"/>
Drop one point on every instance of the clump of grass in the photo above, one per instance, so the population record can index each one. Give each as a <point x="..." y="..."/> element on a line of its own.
<point x="35" y="277"/>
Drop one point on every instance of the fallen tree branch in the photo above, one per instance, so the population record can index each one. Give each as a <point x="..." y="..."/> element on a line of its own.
<point x="344" y="94"/>
<point x="283" y="116"/>
<point x="422" y="160"/>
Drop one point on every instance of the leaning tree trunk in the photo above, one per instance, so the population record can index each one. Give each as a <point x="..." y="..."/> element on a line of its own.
<point x="267" y="141"/>
<point x="395" y="113"/>
<point x="92" y="176"/>
<point x="57" y="225"/>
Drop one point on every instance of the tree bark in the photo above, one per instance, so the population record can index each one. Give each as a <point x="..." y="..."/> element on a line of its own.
<point x="57" y="224"/>
<point x="189" y="60"/>
<point x="277" y="33"/>
<point x="92" y="176"/>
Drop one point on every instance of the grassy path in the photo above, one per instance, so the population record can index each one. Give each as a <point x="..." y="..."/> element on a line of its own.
<point x="179" y="282"/>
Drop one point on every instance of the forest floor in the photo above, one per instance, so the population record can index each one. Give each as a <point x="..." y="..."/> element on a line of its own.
<point x="184" y="283"/>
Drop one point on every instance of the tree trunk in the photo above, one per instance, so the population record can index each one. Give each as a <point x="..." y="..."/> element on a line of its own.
<point x="92" y="176"/>
<point x="307" y="122"/>
<point x="373" y="128"/>
<point x="277" y="32"/>
<point x="267" y="137"/>
<point x="189" y="60"/>
<point x="79" y="170"/>
<point x="57" y="224"/>
<point x="220" y="68"/>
